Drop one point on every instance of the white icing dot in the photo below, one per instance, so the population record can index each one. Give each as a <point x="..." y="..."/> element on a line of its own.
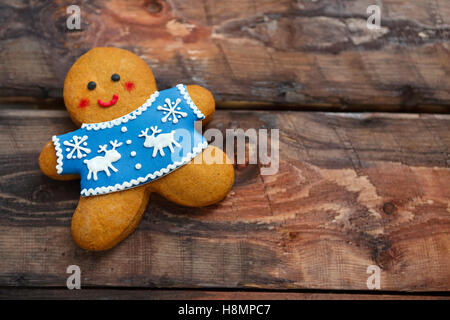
<point x="128" y="141"/>
<point x="67" y="149"/>
<point x="85" y="144"/>
<point x="138" y="166"/>
<point x="124" y="129"/>
<point x="133" y="153"/>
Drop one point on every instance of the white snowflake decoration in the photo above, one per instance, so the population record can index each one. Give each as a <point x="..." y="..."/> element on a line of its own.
<point x="172" y="111"/>
<point x="77" y="144"/>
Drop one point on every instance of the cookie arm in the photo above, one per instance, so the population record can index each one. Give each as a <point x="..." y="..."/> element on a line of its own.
<point x="47" y="163"/>
<point x="203" y="99"/>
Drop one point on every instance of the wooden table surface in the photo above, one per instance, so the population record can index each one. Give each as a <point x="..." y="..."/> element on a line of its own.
<point x="270" y="53"/>
<point x="356" y="186"/>
<point x="353" y="190"/>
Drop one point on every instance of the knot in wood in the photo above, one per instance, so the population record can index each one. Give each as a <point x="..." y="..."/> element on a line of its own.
<point x="155" y="7"/>
<point x="389" y="208"/>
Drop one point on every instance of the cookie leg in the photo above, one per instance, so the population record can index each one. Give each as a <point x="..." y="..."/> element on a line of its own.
<point x="197" y="184"/>
<point x="101" y="222"/>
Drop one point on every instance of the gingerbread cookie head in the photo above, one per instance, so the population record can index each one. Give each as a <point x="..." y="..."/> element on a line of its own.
<point x="106" y="83"/>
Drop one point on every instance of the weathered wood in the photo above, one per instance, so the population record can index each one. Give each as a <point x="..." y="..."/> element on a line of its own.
<point x="352" y="190"/>
<point x="293" y="53"/>
<point x="137" y="294"/>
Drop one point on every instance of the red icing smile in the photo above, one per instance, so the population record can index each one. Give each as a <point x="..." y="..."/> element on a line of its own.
<point x="109" y="103"/>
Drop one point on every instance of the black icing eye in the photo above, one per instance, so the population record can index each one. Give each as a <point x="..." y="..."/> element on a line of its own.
<point x="92" y="85"/>
<point x="115" y="77"/>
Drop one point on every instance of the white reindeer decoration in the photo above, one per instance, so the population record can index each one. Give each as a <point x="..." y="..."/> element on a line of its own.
<point x="104" y="163"/>
<point x="160" y="142"/>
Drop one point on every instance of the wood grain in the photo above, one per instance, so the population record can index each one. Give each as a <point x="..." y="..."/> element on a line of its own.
<point x="300" y="54"/>
<point x="352" y="190"/>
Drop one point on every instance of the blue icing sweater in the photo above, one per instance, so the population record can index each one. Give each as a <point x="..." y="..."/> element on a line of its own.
<point x="137" y="148"/>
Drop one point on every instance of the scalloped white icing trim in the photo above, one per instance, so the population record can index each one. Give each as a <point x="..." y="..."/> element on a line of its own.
<point x="187" y="97"/>
<point x="124" y="119"/>
<point x="59" y="159"/>
<point x="157" y="174"/>
<point x="132" y="115"/>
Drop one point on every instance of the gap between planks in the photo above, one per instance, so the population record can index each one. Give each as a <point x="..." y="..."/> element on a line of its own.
<point x="28" y="103"/>
<point x="209" y="294"/>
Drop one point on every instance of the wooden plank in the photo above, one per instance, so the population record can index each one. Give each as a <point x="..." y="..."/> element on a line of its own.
<point x="352" y="190"/>
<point x="272" y="53"/>
<point x="139" y="294"/>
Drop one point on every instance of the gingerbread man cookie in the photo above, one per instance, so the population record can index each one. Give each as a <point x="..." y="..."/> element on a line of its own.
<point x="133" y="140"/>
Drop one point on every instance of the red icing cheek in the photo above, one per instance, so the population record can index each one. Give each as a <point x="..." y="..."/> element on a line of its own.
<point x="83" y="103"/>
<point x="129" y="86"/>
